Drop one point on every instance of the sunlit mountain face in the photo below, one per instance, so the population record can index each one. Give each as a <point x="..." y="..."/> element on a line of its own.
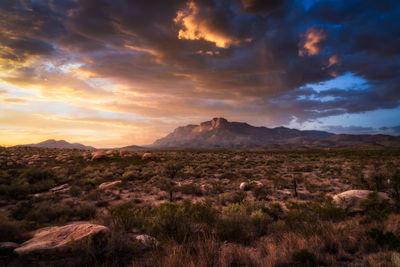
<point x="117" y="72"/>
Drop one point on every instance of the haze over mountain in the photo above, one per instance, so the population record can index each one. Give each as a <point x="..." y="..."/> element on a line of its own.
<point x="220" y="133"/>
<point x="51" y="143"/>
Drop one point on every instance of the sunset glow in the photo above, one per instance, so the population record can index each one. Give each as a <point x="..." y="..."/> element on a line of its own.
<point x="119" y="73"/>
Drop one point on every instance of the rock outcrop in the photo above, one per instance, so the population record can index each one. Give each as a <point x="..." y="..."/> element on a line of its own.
<point x="58" y="240"/>
<point x="107" y="185"/>
<point x="147" y="241"/>
<point x="351" y="200"/>
<point x="147" y="156"/>
<point x="99" y="155"/>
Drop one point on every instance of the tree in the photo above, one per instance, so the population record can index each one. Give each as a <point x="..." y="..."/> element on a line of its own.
<point x="170" y="171"/>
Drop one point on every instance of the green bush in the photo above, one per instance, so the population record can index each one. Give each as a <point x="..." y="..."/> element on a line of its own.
<point x="125" y="216"/>
<point x="47" y="212"/>
<point x="35" y="175"/>
<point x="242" y="223"/>
<point x="30" y="181"/>
<point x="308" y="216"/>
<point x="11" y="231"/>
<point x="180" y="221"/>
<point x="385" y="239"/>
<point x="375" y="209"/>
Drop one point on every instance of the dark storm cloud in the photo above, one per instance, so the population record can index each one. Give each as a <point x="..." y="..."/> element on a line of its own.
<point x="252" y="52"/>
<point x="261" y="5"/>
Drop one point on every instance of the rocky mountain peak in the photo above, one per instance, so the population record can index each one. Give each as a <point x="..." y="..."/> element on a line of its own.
<point x="219" y="132"/>
<point x="217" y="122"/>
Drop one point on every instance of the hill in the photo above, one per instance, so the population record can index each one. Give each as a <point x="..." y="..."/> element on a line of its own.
<point x="51" y="143"/>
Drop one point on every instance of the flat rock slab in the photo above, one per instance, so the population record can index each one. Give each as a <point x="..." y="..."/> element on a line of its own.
<point x="107" y="185"/>
<point x="59" y="239"/>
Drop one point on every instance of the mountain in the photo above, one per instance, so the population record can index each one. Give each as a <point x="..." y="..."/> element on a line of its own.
<point x="220" y="133"/>
<point x="51" y="143"/>
<point x="132" y="147"/>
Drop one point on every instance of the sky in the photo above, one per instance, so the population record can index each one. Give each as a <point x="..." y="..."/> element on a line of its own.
<point x="111" y="73"/>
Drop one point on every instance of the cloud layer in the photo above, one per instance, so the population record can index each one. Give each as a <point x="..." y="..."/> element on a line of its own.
<point x="154" y="65"/>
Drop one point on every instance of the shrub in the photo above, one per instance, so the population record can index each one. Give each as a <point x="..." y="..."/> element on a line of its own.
<point x="375" y="209"/>
<point x="242" y="223"/>
<point x="180" y="221"/>
<point x="191" y="189"/>
<point x="304" y="257"/>
<point x="35" y="175"/>
<point x="308" y="216"/>
<point x="131" y="175"/>
<point x="11" y="231"/>
<point x="384" y="239"/>
<point x="31" y="181"/>
<point x="75" y="191"/>
<point x="125" y="216"/>
<point x="232" y="197"/>
<point x="85" y="211"/>
<point x="172" y="168"/>
<point x="260" y="192"/>
<point x="47" y="212"/>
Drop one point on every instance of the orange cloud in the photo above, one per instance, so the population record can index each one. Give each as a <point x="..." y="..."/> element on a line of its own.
<point x="311" y="44"/>
<point x="196" y="28"/>
<point x="334" y="60"/>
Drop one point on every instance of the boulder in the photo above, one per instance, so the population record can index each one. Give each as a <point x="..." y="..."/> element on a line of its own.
<point x="351" y="200"/>
<point x="125" y="153"/>
<point x="60" y="189"/>
<point x="109" y="152"/>
<point x="147" y="155"/>
<point x="147" y="241"/>
<point x="257" y="183"/>
<point x="98" y="155"/>
<point x="57" y="240"/>
<point x="107" y="185"/>
<point x="244" y="186"/>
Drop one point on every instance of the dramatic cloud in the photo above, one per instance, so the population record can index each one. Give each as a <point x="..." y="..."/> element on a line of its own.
<point x="275" y="62"/>
<point x="196" y="28"/>
<point x="311" y="43"/>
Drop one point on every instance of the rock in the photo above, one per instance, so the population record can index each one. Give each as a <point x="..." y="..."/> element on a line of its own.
<point x="60" y="239"/>
<point x="7" y="248"/>
<point x="107" y="185"/>
<point x="257" y="183"/>
<point x="98" y="155"/>
<point x="351" y="200"/>
<point x="125" y="153"/>
<point x="60" y="189"/>
<point x="109" y="152"/>
<point x="237" y="157"/>
<point x="147" y="156"/>
<point x="147" y="241"/>
<point x="244" y="186"/>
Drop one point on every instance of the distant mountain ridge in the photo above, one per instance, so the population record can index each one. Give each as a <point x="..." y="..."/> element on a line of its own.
<point x="51" y="143"/>
<point x="220" y="133"/>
